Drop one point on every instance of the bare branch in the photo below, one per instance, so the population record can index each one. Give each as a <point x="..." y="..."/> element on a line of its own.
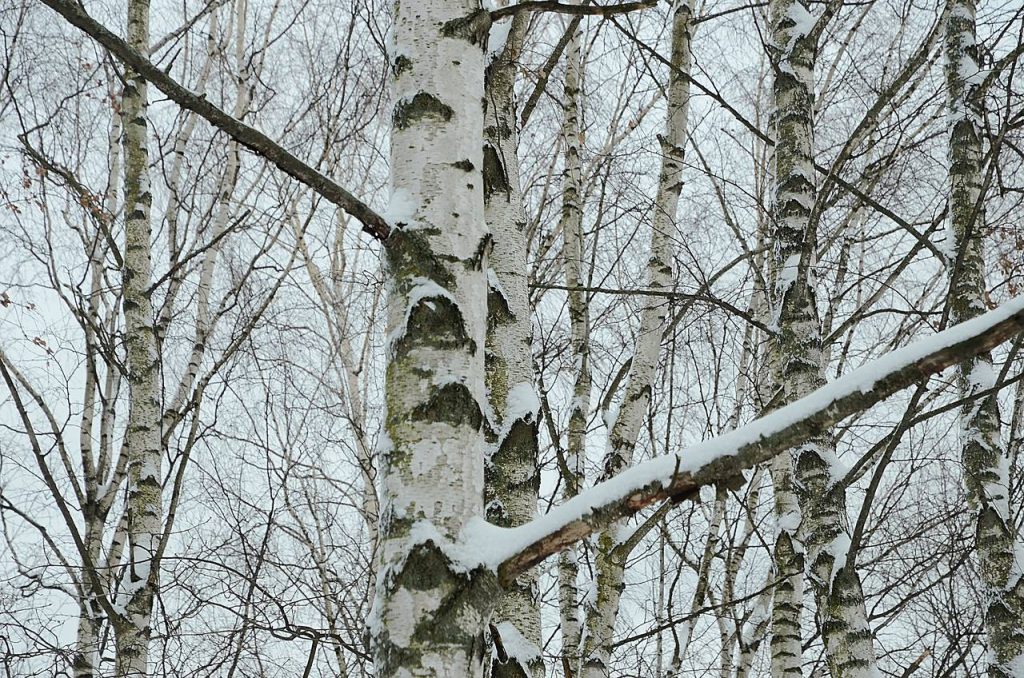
<point x="667" y="294"/>
<point x="256" y="141"/>
<point x="764" y="137"/>
<point x="86" y="198"/>
<point x="578" y="10"/>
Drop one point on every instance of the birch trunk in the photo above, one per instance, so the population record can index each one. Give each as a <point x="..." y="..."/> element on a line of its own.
<point x="817" y="521"/>
<point x="90" y="616"/>
<point x="94" y="471"/>
<point x="985" y="460"/>
<point x="579" y="321"/>
<point x="611" y="556"/>
<point x="787" y="597"/>
<point x="512" y="477"/>
<point x="145" y="501"/>
<point x="429" y="615"/>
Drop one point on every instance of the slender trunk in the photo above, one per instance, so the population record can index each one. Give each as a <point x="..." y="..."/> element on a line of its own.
<point x="787" y="601"/>
<point x="512" y="477"/>
<point x="703" y="583"/>
<point x="429" y="614"/>
<point x="90" y="615"/>
<point x="611" y="557"/>
<point x="788" y="595"/>
<point x="86" y="642"/>
<point x="579" y="321"/>
<point x="90" y="622"/>
<point x="334" y="305"/>
<point x="985" y="460"/>
<point x="145" y="501"/>
<point x="221" y="218"/>
<point x="817" y="521"/>
<point x="750" y="635"/>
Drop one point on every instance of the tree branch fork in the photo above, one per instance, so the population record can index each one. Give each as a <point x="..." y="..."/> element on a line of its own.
<point x="373" y="223"/>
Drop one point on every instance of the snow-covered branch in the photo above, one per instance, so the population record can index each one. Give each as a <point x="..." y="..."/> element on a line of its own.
<point x="722" y="459"/>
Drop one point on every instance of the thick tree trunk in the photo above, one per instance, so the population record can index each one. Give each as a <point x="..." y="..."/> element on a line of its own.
<point x="429" y="615"/>
<point x="611" y="556"/>
<point x="813" y="528"/>
<point x="512" y="477"/>
<point x="145" y="501"/>
<point x="985" y="460"/>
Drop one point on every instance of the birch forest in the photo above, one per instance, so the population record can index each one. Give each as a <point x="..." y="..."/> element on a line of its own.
<point x="512" y="339"/>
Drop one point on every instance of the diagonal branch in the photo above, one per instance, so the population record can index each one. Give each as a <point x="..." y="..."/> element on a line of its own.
<point x="564" y="8"/>
<point x="86" y="198"/>
<point x="250" y="137"/>
<point x="549" y="66"/>
<point x="679" y="476"/>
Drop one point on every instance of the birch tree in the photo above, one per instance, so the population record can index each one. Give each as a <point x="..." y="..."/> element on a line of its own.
<point x="430" y="612"/>
<point x="812" y="527"/>
<point x="573" y="251"/>
<point x="144" y="509"/>
<point x="459" y="543"/>
<point x="986" y="467"/>
<point x="512" y="477"/>
<point x="124" y="434"/>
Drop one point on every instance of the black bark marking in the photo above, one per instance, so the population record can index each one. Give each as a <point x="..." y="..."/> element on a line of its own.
<point x="422" y="106"/>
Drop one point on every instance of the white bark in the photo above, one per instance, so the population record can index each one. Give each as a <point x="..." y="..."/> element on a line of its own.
<point x="513" y="479"/>
<point x="810" y="508"/>
<point x="985" y="460"/>
<point x="681" y="474"/>
<point x="429" y="613"/>
<point x="573" y="250"/>
<point x="91" y="616"/>
<point x="145" y="500"/>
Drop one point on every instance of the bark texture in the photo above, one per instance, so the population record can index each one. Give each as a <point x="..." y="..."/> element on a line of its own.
<point x="430" y="613"/>
<point x="144" y="508"/>
<point x="985" y="459"/>
<point x="97" y="471"/>
<point x="579" y="321"/>
<point x="810" y="507"/>
<point x="512" y="476"/>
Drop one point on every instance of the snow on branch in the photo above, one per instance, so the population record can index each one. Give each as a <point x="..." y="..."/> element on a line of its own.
<point x="511" y="551"/>
<point x="373" y="224"/>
